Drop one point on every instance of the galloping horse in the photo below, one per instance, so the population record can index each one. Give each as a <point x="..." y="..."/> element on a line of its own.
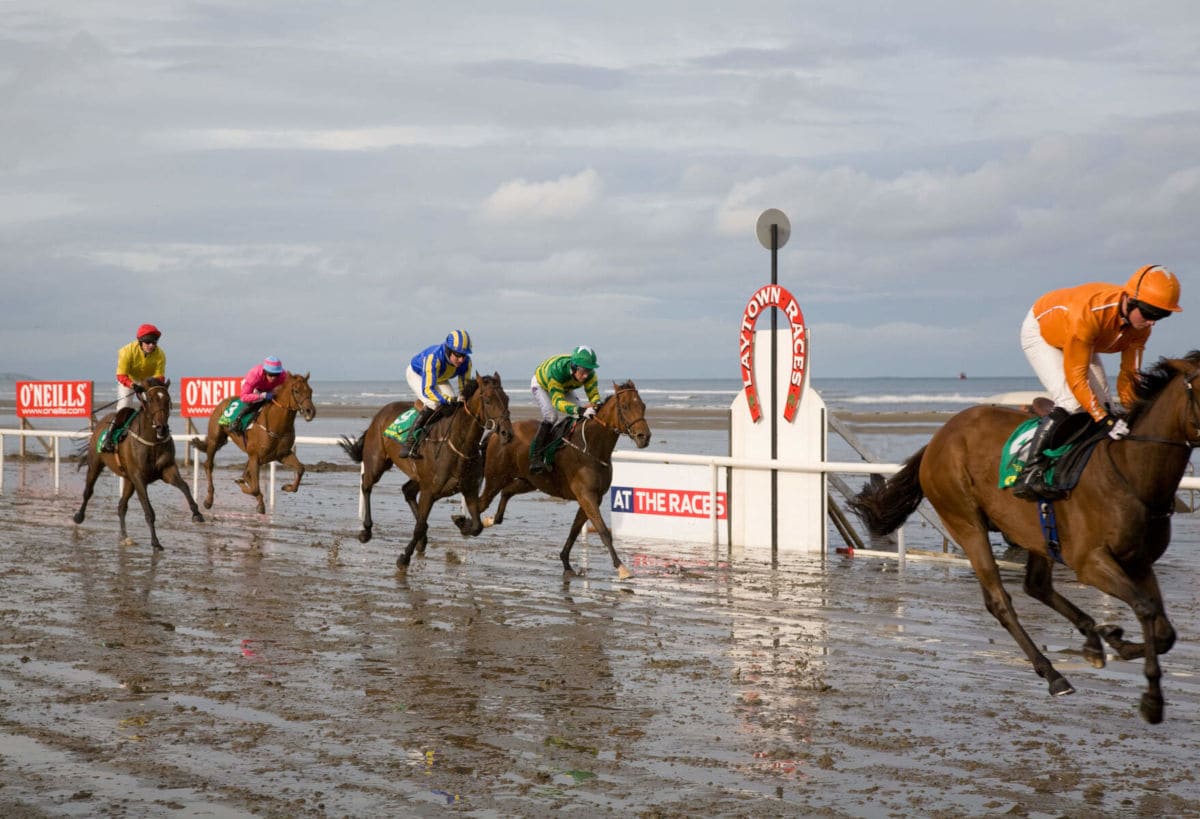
<point x="1112" y="527"/>
<point x="450" y="445"/>
<point x="582" y="468"/>
<point x="146" y="454"/>
<point x="269" y="438"/>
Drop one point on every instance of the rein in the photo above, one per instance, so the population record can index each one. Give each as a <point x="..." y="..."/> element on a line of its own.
<point x="622" y="426"/>
<point x="485" y="426"/>
<point x="1187" y="443"/>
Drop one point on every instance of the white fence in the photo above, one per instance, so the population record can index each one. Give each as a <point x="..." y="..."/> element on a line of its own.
<point x="714" y="463"/>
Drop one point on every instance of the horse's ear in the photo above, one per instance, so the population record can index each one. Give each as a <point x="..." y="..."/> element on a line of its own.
<point x="496" y="376"/>
<point x="307" y="374"/>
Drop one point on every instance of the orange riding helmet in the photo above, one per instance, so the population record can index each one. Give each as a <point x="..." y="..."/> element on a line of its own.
<point x="1155" y="286"/>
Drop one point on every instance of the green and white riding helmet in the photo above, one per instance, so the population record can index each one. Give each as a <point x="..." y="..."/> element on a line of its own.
<point x="584" y="356"/>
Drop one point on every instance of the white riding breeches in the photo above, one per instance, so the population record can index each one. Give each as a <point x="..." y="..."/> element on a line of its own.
<point x="417" y="384"/>
<point x="542" y="399"/>
<point x="1047" y="362"/>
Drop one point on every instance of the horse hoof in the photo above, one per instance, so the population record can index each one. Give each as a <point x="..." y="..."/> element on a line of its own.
<point x="289" y="488"/>
<point x="1151" y="709"/>
<point x="1061" y="687"/>
<point x="1097" y="658"/>
<point x="208" y="504"/>
<point x="158" y="547"/>
<point x="78" y="517"/>
<point x="623" y="573"/>
<point x="364" y="536"/>
<point x="197" y="518"/>
<point x="488" y="521"/>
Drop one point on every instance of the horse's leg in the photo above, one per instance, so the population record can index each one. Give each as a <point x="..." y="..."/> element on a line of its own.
<point x="147" y="510"/>
<point x="1144" y="597"/>
<point x="412" y="494"/>
<point x="123" y="506"/>
<point x="211" y="444"/>
<point x="420" y="530"/>
<point x="250" y="483"/>
<point x="1039" y="585"/>
<point x="95" y="467"/>
<point x="292" y="461"/>
<point x="589" y="506"/>
<point x="972" y="536"/>
<point x="576" y="528"/>
<point x="172" y="476"/>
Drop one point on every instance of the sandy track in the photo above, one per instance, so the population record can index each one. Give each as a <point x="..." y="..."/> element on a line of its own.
<point x="275" y="666"/>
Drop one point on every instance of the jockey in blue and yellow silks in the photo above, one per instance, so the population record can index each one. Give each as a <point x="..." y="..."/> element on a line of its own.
<point x="431" y="375"/>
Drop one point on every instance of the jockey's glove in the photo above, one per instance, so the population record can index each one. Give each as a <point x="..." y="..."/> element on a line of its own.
<point x="590" y="412"/>
<point x="138" y="388"/>
<point x="1117" y="428"/>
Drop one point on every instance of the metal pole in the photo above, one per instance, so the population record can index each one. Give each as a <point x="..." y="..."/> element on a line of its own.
<point x="774" y="401"/>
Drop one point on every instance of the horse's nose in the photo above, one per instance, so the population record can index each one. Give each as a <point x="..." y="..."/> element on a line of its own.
<point x="643" y="440"/>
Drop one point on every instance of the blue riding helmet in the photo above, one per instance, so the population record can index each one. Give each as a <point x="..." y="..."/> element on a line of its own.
<point x="459" y="341"/>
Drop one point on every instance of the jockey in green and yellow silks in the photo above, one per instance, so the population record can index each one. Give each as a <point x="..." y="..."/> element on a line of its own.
<point x="553" y="386"/>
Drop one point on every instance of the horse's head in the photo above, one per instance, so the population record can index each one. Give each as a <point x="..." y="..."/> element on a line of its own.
<point x="625" y="412"/>
<point x="491" y="406"/>
<point x="296" y="395"/>
<point x="1179" y="409"/>
<point x="156" y="404"/>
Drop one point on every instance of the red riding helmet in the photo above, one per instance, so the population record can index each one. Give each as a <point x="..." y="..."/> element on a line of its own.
<point x="148" y="332"/>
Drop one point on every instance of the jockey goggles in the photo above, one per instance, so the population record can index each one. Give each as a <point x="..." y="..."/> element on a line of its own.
<point x="1150" y="312"/>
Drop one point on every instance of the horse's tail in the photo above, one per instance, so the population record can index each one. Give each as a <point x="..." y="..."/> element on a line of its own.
<point x="884" y="505"/>
<point x="81" y="453"/>
<point x="354" y="447"/>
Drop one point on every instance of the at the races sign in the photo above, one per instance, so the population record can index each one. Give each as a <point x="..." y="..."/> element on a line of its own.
<point x="200" y="396"/>
<point x="773" y="295"/>
<point x="54" y="399"/>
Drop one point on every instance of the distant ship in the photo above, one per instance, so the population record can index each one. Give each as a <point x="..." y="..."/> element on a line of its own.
<point x="962" y="376"/>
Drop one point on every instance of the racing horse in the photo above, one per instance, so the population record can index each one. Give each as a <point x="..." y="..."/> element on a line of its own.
<point x="270" y="437"/>
<point x="451" y="443"/>
<point x="146" y="454"/>
<point x="1112" y="527"/>
<point x="582" y="469"/>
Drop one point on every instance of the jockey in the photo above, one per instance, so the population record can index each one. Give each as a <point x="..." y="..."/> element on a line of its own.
<point x="436" y="375"/>
<point x="553" y="386"/>
<point x="136" y="361"/>
<point x="1063" y="336"/>
<point x="258" y="387"/>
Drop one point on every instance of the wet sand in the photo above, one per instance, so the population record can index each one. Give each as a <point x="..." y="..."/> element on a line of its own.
<point x="273" y="665"/>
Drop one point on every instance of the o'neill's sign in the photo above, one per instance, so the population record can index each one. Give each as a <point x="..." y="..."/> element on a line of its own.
<point x="773" y="295"/>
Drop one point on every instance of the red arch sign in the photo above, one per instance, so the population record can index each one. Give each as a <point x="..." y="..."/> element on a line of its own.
<point x="773" y="295"/>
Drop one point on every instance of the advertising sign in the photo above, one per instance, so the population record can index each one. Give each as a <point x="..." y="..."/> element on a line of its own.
<point x="773" y="295"/>
<point x="54" y="399"/>
<point x="200" y="396"/>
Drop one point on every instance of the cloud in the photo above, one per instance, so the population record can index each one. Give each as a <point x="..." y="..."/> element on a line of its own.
<point x="563" y="198"/>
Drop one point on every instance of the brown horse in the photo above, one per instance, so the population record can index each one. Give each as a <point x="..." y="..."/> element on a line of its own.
<point x="1112" y="527"/>
<point x="450" y="445"/>
<point x="270" y="437"/>
<point x="582" y="467"/>
<point x="146" y="454"/>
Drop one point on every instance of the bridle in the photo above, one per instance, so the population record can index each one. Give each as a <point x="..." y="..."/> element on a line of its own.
<point x="1193" y="416"/>
<point x="166" y="413"/>
<point x="484" y="423"/>
<point x="622" y="425"/>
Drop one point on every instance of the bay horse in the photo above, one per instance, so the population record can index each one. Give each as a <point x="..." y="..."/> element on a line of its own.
<point x="582" y="469"/>
<point x="270" y="437"/>
<point x="1112" y="527"/>
<point x="146" y="454"/>
<point x="451" y="443"/>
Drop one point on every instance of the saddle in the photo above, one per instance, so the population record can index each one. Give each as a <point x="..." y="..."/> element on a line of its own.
<point x="1068" y="451"/>
<point x="117" y="430"/>
<point x="558" y="437"/>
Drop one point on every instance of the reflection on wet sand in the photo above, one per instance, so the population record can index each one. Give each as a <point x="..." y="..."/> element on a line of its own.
<point x="272" y="665"/>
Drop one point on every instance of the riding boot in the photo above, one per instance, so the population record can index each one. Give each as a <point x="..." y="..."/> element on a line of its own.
<point x="408" y="447"/>
<point x="1031" y="483"/>
<point x="115" y="427"/>
<point x="537" y="462"/>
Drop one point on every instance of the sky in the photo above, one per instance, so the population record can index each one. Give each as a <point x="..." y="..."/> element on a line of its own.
<point x="342" y="184"/>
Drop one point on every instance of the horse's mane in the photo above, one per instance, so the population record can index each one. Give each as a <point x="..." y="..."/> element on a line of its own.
<point x="1152" y="380"/>
<point x="627" y="385"/>
<point x="154" y="381"/>
<point x="470" y="387"/>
